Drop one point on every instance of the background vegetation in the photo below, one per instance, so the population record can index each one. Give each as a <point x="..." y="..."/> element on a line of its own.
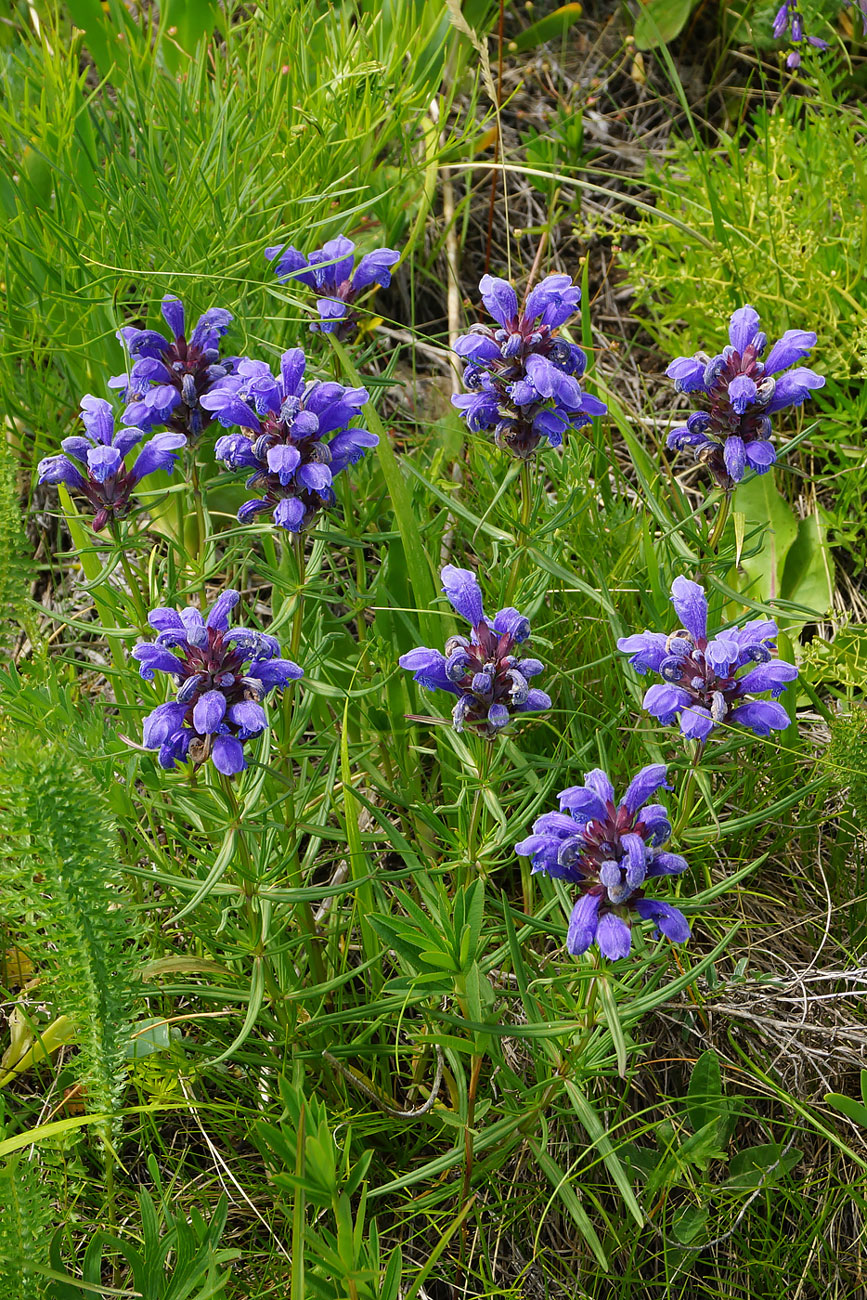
<point x="314" y="1032"/>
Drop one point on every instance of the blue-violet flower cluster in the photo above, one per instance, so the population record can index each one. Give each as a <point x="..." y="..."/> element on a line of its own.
<point x="335" y="279"/>
<point x="222" y="677"/>
<point x="711" y="680"/>
<point x="743" y="392"/>
<point x="491" y="681"/>
<point x="609" y="851"/>
<point x="169" y="376"/>
<point x="93" y="464"/>
<point x="294" y="437"/>
<point x="523" y="379"/>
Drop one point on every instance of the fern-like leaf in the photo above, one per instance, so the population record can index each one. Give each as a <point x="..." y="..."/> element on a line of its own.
<point x="25" y="1230"/>
<point x="13" y="549"/>
<point x="58" y="863"/>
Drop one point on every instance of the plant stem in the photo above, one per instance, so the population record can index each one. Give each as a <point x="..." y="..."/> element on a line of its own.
<point x="721" y="519"/>
<point x="132" y="580"/>
<point x="248" y="883"/>
<point x="687" y="799"/>
<point x="298" y="616"/>
<point x="476" y="813"/>
<point x="478" y="1060"/>
<point x="526" y="514"/>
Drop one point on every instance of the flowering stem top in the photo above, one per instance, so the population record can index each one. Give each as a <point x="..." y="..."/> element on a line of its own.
<point x="491" y="681"/>
<point x="743" y="392"/>
<point x="169" y="376"/>
<point x="609" y="850"/>
<point x="222" y="676"/>
<point x="93" y="465"/>
<point x="331" y="273"/>
<point x="523" y="378"/>
<point x="704" y="679"/>
<point x="294" y="437"/>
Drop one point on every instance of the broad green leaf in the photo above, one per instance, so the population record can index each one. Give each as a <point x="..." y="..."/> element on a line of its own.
<point x="761" y="574"/>
<point x="808" y="576"/>
<point x="553" y="27"/>
<point x="148" y="1036"/>
<point x="660" y="21"/>
<point x="756" y="1165"/>
<point x="704" y="1097"/>
<point x="848" y="1106"/>
<point x="689" y="1223"/>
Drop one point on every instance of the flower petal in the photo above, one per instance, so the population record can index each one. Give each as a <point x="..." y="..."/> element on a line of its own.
<point x="509" y="621"/>
<point x="643" y="785"/>
<point x="598" y="781"/>
<point x="228" y="755"/>
<point x="665" y="701"/>
<point x="761" y="716"/>
<point x="771" y="676"/>
<point x="645" y="650"/>
<point x="218" y="617"/>
<point x="583" y="923"/>
<point x="209" y="712"/>
<point x="743" y="327"/>
<point x="669" y="920"/>
<point x="464" y="593"/>
<point x="500" y="299"/>
<point x="582" y="802"/>
<point x="690" y="605"/>
<point x="667" y="864"/>
<point x="792" y="347"/>
<point x="614" y="937"/>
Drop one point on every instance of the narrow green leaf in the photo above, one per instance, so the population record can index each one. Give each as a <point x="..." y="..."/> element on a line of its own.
<point x="566" y="1193"/>
<point x="600" y="1139"/>
<point x="612" y="1019"/>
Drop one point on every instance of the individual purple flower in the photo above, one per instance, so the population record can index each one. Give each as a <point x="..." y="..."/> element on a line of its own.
<point x="335" y="279"/>
<point x="609" y="851"/>
<point x="292" y="437"/>
<point x="491" y="680"/>
<point x="523" y="378"/>
<point x="789" y="19"/>
<point x="168" y="377"/>
<point x="711" y="680"/>
<point x="743" y="392"/>
<point x="222" y="676"/>
<point x="93" y="465"/>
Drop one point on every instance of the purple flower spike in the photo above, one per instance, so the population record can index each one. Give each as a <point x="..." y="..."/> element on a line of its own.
<point x="608" y="851"/>
<point x="169" y="377"/>
<point x="101" y="475"/>
<point x="743" y="392"/>
<point x="491" y="680"/>
<point x="222" y="677"/>
<point x="709" y="680"/>
<point x="294" y="438"/>
<point x="329" y="273"/>
<point x="522" y="377"/>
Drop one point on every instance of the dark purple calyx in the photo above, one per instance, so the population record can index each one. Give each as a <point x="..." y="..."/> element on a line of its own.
<point x="192" y="373"/>
<point x="111" y="499"/>
<point x="486" y="673"/>
<point x="723" y="421"/>
<point x="215" y="667"/>
<point x="713" y="686"/>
